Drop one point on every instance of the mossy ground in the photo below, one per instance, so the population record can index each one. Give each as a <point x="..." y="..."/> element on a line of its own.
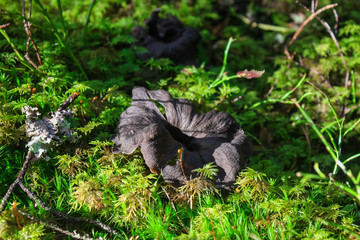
<point x="300" y="115"/>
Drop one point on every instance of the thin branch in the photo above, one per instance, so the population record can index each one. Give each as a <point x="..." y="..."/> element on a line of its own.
<point x="313" y="7"/>
<point x="328" y="28"/>
<point x="27" y="26"/>
<point x="307" y="136"/>
<point x="173" y="206"/>
<point x="68" y="101"/>
<point x="37" y="200"/>
<point x="55" y="227"/>
<point x="350" y="109"/>
<point x="4" y="25"/>
<point x="26" y="56"/>
<point x="336" y="20"/>
<point x="309" y="19"/>
<point x="19" y="179"/>
<point x="271" y="89"/>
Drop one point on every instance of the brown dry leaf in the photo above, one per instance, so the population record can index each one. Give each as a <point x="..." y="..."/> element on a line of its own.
<point x="250" y="74"/>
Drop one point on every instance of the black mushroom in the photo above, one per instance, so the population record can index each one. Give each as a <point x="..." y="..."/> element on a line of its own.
<point x="167" y="38"/>
<point x="204" y="138"/>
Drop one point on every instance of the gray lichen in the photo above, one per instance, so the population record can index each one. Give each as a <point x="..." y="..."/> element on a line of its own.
<point x="47" y="133"/>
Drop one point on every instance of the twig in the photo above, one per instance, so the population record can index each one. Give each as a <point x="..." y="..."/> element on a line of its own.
<point x="336" y="20"/>
<point x="271" y="89"/>
<point x="27" y="30"/>
<point x="4" y="25"/>
<point x="332" y="35"/>
<point x="318" y="89"/>
<point x="19" y="179"/>
<point x="68" y="101"/>
<point x="347" y="73"/>
<point x="350" y="109"/>
<point x="266" y="27"/>
<point x="213" y="230"/>
<point x="312" y="16"/>
<point x="328" y="28"/>
<point x="173" y="206"/>
<point x="34" y="198"/>
<point x="55" y="227"/>
<point x="26" y="56"/>
<point x="314" y="5"/>
<point x="306" y="133"/>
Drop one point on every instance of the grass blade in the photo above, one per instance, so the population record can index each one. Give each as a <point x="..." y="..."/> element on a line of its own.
<point x="57" y="35"/>
<point x="317" y="131"/>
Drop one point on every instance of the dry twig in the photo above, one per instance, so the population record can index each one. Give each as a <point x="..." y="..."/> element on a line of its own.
<point x="328" y="28"/>
<point x="27" y="26"/>
<point x="312" y="16"/>
<point x="173" y="206"/>
<point x="30" y="156"/>
<point x="74" y="235"/>
<point x="37" y="200"/>
<point x="307" y="136"/>
<point x="333" y="37"/>
<point x="271" y="89"/>
<point x="336" y="20"/>
<point x="4" y="25"/>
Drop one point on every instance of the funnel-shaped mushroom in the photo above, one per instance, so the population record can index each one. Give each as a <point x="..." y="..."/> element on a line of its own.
<point x="209" y="137"/>
<point x="167" y="38"/>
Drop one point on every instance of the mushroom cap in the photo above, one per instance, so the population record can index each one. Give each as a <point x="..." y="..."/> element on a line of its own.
<point x="209" y="137"/>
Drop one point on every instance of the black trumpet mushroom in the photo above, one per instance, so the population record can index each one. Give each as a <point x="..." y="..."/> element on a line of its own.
<point x="167" y="38"/>
<point x="204" y="138"/>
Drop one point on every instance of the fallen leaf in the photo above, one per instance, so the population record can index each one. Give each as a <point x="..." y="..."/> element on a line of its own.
<point x="250" y="74"/>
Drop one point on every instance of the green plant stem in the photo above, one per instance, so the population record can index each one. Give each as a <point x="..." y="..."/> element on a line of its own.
<point x="331" y="151"/>
<point x="318" y="171"/>
<point x="219" y="81"/>
<point x="62" y="18"/>
<point x="63" y="44"/>
<point x="329" y="102"/>
<point x="317" y="131"/>
<point x="10" y="70"/>
<point x="347" y="190"/>
<point x="302" y="80"/>
<point x="266" y="27"/>
<point x="352" y="127"/>
<point x="226" y="53"/>
<point x="220" y="77"/>
<point x="270" y="100"/>
<point x="351" y="158"/>
<point x="282" y="99"/>
<point x="21" y="58"/>
<point x="88" y="17"/>
<point x="333" y="224"/>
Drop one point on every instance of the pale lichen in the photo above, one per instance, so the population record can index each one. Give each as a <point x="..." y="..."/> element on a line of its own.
<point x="47" y="133"/>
